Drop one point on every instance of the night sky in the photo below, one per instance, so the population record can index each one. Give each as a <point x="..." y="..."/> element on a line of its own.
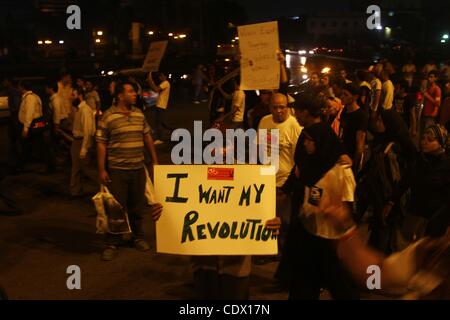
<point x="263" y="9"/>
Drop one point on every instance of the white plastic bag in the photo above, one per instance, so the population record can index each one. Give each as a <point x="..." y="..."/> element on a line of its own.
<point x="111" y="216"/>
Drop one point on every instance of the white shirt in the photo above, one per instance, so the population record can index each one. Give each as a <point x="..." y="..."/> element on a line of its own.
<point x="92" y="98"/>
<point x="387" y="95"/>
<point x="30" y="109"/>
<point x="163" y="98"/>
<point x="338" y="183"/>
<point x="238" y="102"/>
<point x="375" y="84"/>
<point x="84" y="125"/>
<point x="58" y="109"/>
<point x="289" y="131"/>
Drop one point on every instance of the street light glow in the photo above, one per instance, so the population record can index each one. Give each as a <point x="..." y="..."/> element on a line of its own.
<point x="48" y="42"/>
<point x="40" y="42"/>
<point x="445" y="36"/>
<point x="97" y="40"/>
<point x="99" y="33"/>
<point x="61" y="41"/>
<point x="182" y="36"/>
<point x="171" y="34"/>
<point x="176" y="37"/>
<point x="443" y="41"/>
<point x="151" y="33"/>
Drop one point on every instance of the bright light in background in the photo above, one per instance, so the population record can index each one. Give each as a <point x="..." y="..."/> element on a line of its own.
<point x="311" y="51"/>
<point x="110" y="73"/>
<point x="170" y="76"/>
<point x="303" y="60"/>
<point x="48" y="42"/>
<point x="97" y="40"/>
<point x="219" y="46"/>
<point x="326" y="70"/>
<point x="184" y="76"/>
<point x="442" y="41"/>
<point x="391" y="13"/>
<point x="304" y="69"/>
<point x="295" y="18"/>
<point x="151" y="33"/>
<point x="305" y="76"/>
<point x="236" y="38"/>
<point x="182" y="36"/>
<point x="233" y="41"/>
<point x="176" y="37"/>
<point x="99" y="33"/>
<point x="227" y="60"/>
<point x="103" y="72"/>
<point x="445" y="36"/>
<point x="61" y="41"/>
<point x="302" y="52"/>
<point x="288" y="60"/>
<point x="40" y="42"/>
<point x="387" y="32"/>
<point x="171" y="34"/>
<point x="380" y="27"/>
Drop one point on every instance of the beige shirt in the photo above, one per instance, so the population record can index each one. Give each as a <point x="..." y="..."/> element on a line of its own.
<point x="84" y="126"/>
<point x="30" y="109"/>
<point x="58" y="108"/>
<point x="163" y="98"/>
<point x="92" y="98"/>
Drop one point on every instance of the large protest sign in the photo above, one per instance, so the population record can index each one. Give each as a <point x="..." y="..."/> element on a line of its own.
<point x="154" y="56"/>
<point x="215" y="210"/>
<point x="258" y="45"/>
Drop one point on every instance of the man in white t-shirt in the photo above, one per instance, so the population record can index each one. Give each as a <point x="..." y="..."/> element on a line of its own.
<point x="289" y="132"/>
<point x="159" y="111"/>
<point x="387" y="91"/>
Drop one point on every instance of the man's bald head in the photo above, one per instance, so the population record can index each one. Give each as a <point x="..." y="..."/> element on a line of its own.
<point x="278" y="99"/>
<point x="279" y="107"/>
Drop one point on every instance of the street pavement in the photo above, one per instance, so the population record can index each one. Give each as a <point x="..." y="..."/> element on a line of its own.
<point x="55" y="232"/>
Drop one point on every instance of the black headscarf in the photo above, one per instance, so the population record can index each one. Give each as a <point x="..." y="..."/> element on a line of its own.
<point x="396" y="131"/>
<point x="328" y="151"/>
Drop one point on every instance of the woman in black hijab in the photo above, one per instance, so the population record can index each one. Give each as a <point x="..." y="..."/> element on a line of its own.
<point x="385" y="178"/>
<point x="312" y="256"/>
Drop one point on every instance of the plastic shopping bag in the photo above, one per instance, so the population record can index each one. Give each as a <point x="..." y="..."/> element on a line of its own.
<point x="111" y="216"/>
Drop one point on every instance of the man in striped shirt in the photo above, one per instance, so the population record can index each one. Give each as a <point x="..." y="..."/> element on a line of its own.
<point x="122" y="134"/>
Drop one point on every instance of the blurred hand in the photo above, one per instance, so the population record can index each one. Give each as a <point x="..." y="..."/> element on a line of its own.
<point x="345" y="160"/>
<point x="156" y="211"/>
<point x="104" y="177"/>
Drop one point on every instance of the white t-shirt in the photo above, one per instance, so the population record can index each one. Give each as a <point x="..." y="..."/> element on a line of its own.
<point x="239" y="102"/>
<point x="387" y="95"/>
<point x="163" y="98"/>
<point x="375" y="84"/>
<point x="337" y="183"/>
<point x="289" y="131"/>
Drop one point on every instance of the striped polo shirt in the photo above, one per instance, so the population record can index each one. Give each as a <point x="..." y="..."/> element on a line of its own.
<point x="123" y="133"/>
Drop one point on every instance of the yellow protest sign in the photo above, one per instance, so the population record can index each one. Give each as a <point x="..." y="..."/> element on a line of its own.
<point x="258" y="45"/>
<point x="215" y="210"/>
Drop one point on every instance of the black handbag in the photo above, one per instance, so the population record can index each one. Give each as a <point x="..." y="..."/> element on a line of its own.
<point x="39" y="125"/>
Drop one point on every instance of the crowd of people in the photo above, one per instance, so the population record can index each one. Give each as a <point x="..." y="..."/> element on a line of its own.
<point x="372" y="149"/>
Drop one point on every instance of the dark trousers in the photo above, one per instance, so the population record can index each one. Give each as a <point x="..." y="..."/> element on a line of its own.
<point x="317" y="266"/>
<point x="41" y="144"/>
<point x="160" y="129"/>
<point x="128" y="187"/>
